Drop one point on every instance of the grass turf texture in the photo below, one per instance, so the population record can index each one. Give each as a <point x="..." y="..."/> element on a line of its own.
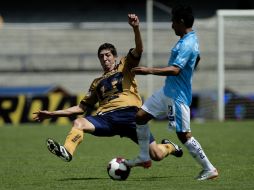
<point x="27" y="164"/>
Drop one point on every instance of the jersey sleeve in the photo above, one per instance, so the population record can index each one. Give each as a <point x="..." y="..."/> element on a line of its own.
<point x="131" y="60"/>
<point x="90" y="99"/>
<point x="184" y="54"/>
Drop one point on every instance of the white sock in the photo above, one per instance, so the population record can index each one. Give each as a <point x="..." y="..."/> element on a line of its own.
<point x="197" y="152"/>
<point x="143" y="135"/>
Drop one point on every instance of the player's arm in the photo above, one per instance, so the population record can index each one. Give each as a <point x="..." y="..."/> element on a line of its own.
<point x="183" y="56"/>
<point x="45" y="114"/>
<point x="133" y="20"/>
<point x="163" y="71"/>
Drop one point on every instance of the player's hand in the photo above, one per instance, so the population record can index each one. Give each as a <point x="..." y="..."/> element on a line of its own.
<point x="133" y="20"/>
<point x="141" y="70"/>
<point x="41" y="115"/>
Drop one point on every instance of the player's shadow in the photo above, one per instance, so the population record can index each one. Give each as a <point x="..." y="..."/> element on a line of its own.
<point x="153" y="178"/>
<point x="83" y="178"/>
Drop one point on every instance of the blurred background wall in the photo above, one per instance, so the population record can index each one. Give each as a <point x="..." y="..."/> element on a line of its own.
<point x="54" y="43"/>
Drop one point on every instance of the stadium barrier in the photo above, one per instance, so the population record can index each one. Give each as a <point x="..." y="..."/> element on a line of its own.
<point x="19" y="109"/>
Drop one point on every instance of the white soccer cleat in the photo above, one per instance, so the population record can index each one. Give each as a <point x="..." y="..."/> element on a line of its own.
<point x="58" y="150"/>
<point x="207" y="174"/>
<point x="138" y="162"/>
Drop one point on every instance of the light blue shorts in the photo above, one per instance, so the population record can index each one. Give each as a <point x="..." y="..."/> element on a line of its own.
<point x="160" y="106"/>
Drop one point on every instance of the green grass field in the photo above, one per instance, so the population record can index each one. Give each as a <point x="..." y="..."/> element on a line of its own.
<point x="26" y="163"/>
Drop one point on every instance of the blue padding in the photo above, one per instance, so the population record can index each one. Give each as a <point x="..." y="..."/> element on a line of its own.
<point x="27" y="90"/>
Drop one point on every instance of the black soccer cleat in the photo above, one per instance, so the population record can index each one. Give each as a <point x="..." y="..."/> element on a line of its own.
<point x="58" y="150"/>
<point x="178" y="150"/>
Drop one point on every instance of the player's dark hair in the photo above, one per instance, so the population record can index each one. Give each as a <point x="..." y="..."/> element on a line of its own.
<point x="108" y="46"/>
<point x="184" y="14"/>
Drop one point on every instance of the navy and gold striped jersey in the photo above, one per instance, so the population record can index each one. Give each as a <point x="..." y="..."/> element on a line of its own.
<point x="115" y="89"/>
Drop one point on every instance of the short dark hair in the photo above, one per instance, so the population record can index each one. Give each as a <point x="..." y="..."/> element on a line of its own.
<point x="108" y="46"/>
<point x="184" y="14"/>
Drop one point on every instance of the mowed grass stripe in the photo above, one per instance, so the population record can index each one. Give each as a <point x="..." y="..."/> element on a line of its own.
<point x="26" y="163"/>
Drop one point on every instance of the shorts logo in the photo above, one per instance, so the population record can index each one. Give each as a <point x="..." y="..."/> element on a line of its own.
<point x="171" y="116"/>
<point x="170" y="110"/>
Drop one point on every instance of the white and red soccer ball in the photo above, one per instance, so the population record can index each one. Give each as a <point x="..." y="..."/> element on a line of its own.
<point x="117" y="170"/>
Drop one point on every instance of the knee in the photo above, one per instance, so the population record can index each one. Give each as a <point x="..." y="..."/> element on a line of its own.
<point x="156" y="156"/>
<point x="78" y="124"/>
<point x="142" y="117"/>
<point x="156" y="153"/>
<point x="139" y="120"/>
<point x="84" y="125"/>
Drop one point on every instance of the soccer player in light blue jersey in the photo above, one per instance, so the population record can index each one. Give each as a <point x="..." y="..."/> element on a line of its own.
<point x="173" y="100"/>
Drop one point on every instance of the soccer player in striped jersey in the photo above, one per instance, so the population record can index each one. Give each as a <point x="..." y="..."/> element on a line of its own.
<point x="174" y="98"/>
<point x="118" y="102"/>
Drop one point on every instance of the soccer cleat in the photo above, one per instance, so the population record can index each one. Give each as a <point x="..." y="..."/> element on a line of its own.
<point x="206" y="174"/>
<point x="178" y="150"/>
<point x="60" y="151"/>
<point x="138" y="162"/>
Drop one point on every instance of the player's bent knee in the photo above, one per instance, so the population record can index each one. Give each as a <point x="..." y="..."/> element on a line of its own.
<point x="141" y="120"/>
<point x="79" y="124"/>
<point x="142" y="117"/>
<point x="76" y="124"/>
<point x="155" y="153"/>
<point x="83" y="125"/>
<point x="156" y="157"/>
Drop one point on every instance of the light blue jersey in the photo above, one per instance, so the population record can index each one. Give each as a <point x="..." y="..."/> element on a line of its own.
<point x="183" y="55"/>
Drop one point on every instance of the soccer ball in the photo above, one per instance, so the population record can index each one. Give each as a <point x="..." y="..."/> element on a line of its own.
<point x="117" y="170"/>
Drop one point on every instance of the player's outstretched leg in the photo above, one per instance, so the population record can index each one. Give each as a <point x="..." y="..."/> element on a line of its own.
<point x="58" y="150"/>
<point x="178" y="152"/>
<point x="143" y="159"/>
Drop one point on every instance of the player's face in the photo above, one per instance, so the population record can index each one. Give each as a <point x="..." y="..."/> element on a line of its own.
<point x="107" y="60"/>
<point x="177" y="27"/>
